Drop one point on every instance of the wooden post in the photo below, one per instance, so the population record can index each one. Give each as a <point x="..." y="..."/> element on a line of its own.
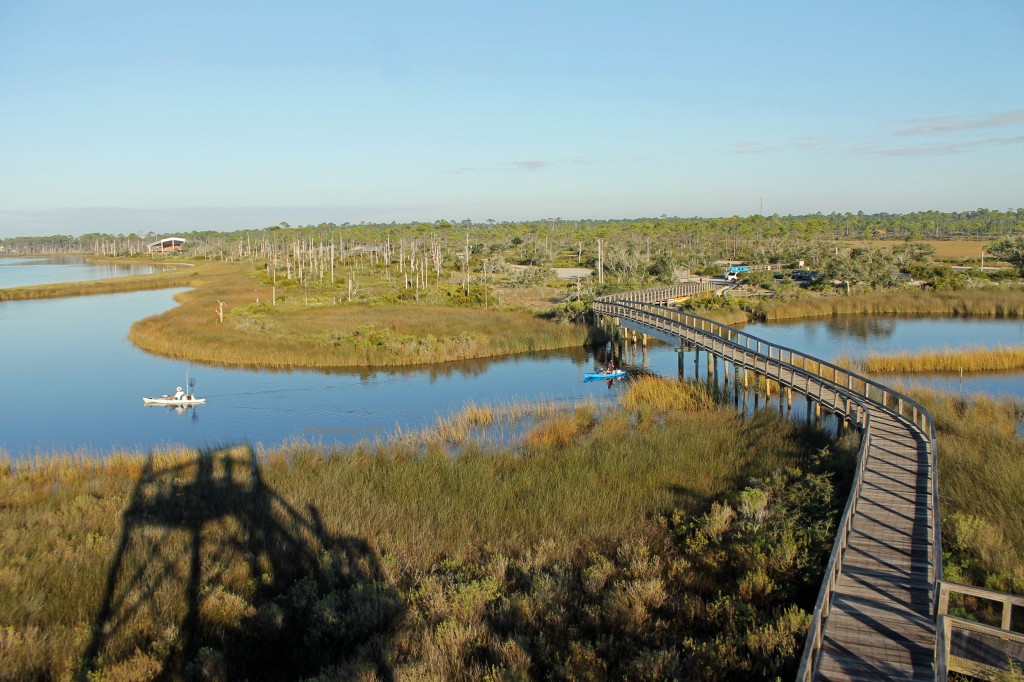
<point x="943" y="605"/>
<point x="220" y="311"/>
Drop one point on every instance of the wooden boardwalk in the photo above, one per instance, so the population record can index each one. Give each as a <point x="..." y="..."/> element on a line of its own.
<point x="881" y="624"/>
<point x="874" y="617"/>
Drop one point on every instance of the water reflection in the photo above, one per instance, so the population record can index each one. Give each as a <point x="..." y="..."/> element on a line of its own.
<point x="854" y="336"/>
<point x="22" y="272"/>
<point x="72" y="381"/>
<point x="68" y="354"/>
<point x="862" y="327"/>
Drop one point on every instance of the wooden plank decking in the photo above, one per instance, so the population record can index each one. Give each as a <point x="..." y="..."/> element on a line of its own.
<point x="881" y="626"/>
<point x="877" y="623"/>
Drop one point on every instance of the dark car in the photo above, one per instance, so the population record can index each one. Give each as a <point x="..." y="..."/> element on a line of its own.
<point x="804" y="275"/>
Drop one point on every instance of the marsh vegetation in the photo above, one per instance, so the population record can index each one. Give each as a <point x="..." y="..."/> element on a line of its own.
<point x="177" y="277"/>
<point x="627" y="543"/>
<point x="304" y="333"/>
<point x="402" y="294"/>
<point x="948" y="360"/>
<point x="667" y="537"/>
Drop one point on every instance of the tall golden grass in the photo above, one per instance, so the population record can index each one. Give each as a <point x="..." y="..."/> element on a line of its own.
<point x="726" y="316"/>
<point x="981" y="474"/>
<point x="651" y="394"/>
<point x="996" y="359"/>
<point x="971" y="303"/>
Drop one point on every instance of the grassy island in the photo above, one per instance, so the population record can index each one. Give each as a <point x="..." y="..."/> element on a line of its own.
<point x="295" y="331"/>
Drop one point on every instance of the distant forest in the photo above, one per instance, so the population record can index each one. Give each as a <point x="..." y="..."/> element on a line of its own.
<point x="558" y="241"/>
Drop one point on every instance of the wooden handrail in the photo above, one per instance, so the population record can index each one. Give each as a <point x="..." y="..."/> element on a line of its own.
<point x="948" y="586"/>
<point x="843" y="384"/>
<point x="919" y="415"/>
<point x="943" y="643"/>
<point x="1008" y="601"/>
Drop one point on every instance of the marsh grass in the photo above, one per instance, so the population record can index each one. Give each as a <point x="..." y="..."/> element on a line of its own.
<point x="571" y="551"/>
<point x="292" y="334"/>
<point x="981" y="474"/>
<point x="1000" y="303"/>
<point x="997" y="359"/>
<point x="651" y="394"/>
<point x="178" y="277"/>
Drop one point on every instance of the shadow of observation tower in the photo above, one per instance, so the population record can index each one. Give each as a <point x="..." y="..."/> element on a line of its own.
<point x="216" y="576"/>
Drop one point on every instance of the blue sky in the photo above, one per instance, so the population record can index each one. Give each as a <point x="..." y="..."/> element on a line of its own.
<point x="141" y="116"/>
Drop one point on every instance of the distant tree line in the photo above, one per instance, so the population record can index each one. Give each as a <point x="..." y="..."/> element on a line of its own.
<point x="626" y="252"/>
<point x="539" y="239"/>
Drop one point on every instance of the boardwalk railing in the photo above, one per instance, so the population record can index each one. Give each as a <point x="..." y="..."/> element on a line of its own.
<point x="973" y="648"/>
<point x="664" y="294"/>
<point x="849" y="394"/>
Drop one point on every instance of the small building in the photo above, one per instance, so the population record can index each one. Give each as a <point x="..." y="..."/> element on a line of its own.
<point x="166" y="244"/>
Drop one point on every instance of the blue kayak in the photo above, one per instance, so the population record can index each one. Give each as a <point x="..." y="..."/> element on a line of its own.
<point x="594" y="376"/>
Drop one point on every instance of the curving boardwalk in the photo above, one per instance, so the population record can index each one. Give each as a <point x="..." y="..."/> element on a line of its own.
<point x="874" y="616"/>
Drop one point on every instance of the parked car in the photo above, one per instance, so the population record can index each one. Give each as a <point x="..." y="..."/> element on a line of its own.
<point x="805" y="275"/>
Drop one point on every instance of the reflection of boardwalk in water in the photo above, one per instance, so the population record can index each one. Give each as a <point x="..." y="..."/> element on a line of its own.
<point x="215" y="573"/>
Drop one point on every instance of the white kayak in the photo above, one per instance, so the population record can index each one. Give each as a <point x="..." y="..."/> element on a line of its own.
<point x="167" y="400"/>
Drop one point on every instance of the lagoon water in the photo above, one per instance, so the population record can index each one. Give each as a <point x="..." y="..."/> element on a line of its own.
<point x="857" y="336"/>
<point x="23" y="272"/>
<point x="70" y="381"/>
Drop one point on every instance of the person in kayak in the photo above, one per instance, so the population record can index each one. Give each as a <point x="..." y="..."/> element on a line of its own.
<point x="178" y="394"/>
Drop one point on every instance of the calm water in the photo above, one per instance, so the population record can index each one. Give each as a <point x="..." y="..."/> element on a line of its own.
<point x="23" y="272"/>
<point x="69" y="379"/>
<point x="855" y="335"/>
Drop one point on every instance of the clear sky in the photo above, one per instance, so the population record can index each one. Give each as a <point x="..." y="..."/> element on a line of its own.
<point x="145" y="116"/>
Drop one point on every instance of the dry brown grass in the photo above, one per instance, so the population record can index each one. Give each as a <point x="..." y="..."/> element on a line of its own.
<point x="945" y="250"/>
